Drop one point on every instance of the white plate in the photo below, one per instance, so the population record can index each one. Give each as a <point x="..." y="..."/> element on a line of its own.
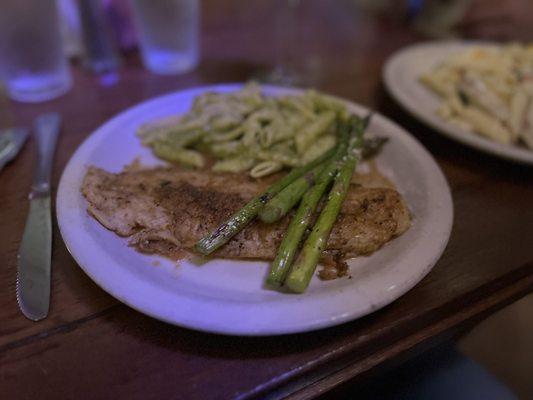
<point x="401" y="74"/>
<point x="226" y="296"/>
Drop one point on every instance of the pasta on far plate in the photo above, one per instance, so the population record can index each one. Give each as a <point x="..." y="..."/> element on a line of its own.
<point x="487" y="90"/>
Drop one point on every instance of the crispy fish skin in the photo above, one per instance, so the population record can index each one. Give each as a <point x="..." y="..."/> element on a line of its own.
<point x="164" y="210"/>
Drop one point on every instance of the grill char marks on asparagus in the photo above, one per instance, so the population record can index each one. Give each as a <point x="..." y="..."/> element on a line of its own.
<point x="245" y="215"/>
<point x="305" y="265"/>
<point x="301" y="221"/>
<point x="277" y="207"/>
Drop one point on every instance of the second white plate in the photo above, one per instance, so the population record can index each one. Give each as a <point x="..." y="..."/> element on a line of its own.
<point x="401" y="75"/>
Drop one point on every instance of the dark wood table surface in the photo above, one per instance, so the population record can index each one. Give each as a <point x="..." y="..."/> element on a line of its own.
<point x="92" y="346"/>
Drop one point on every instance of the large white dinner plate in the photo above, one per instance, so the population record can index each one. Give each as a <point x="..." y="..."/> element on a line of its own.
<point x="401" y="76"/>
<point x="227" y="296"/>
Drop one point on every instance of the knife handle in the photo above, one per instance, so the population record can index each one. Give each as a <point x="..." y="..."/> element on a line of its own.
<point x="46" y="131"/>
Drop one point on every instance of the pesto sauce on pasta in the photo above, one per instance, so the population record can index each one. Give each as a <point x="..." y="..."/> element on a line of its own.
<point x="246" y="131"/>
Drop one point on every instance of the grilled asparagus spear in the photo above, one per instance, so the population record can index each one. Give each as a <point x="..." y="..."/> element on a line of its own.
<point x="282" y="263"/>
<point x="241" y="218"/>
<point x="284" y="201"/>
<point x="305" y="265"/>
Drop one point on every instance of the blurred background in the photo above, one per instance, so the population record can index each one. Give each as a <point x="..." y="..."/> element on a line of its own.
<point x="281" y="41"/>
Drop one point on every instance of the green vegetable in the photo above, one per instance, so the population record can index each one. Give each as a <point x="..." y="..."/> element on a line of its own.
<point x="305" y="265"/>
<point x="241" y="218"/>
<point x="285" y="200"/>
<point x="299" y="224"/>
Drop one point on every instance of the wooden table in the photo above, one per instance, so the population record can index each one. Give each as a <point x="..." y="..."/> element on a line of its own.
<point x="92" y="346"/>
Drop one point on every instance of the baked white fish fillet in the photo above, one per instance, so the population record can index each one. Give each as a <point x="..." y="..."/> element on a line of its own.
<point x="167" y="210"/>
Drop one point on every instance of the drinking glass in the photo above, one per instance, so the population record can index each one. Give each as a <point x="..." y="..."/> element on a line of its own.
<point x="32" y="62"/>
<point x="168" y="34"/>
<point x="294" y="64"/>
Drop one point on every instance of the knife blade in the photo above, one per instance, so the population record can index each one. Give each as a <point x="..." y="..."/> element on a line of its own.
<point x="35" y="252"/>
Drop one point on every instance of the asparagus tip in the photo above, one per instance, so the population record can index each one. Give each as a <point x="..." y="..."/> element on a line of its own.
<point x="270" y="214"/>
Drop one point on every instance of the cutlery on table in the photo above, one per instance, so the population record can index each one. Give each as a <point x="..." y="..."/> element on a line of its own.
<point x="11" y="141"/>
<point x="35" y="252"/>
<point x="11" y="138"/>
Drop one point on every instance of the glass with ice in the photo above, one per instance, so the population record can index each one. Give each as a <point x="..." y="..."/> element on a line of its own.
<point x="33" y="65"/>
<point x="168" y="34"/>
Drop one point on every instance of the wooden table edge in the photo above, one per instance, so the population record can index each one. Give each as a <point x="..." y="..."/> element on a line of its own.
<point x="314" y="382"/>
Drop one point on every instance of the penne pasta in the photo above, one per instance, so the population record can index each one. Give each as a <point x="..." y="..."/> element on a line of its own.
<point x="482" y="122"/>
<point x="488" y="91"/>
<point x="237" y="164"/>
<point x="186" y="157"/>
<point x="245" y="130"/>
<point x="517" y="119"/>
<point x="265" y="168"/>
<point x="321" y="146"/>
<point x="313" y="130"/>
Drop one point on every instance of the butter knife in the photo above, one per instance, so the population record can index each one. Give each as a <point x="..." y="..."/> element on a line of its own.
<point x="35" y="252"/>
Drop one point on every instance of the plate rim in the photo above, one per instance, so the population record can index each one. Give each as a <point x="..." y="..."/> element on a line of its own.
<point x="316" y="324"/>
<point x="472" y="140"/>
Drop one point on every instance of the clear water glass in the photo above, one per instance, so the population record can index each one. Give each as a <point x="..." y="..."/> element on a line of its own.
<point x="168" y="34"/>
<point x="290" y="63"/>
<point x="33" y="65"/>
